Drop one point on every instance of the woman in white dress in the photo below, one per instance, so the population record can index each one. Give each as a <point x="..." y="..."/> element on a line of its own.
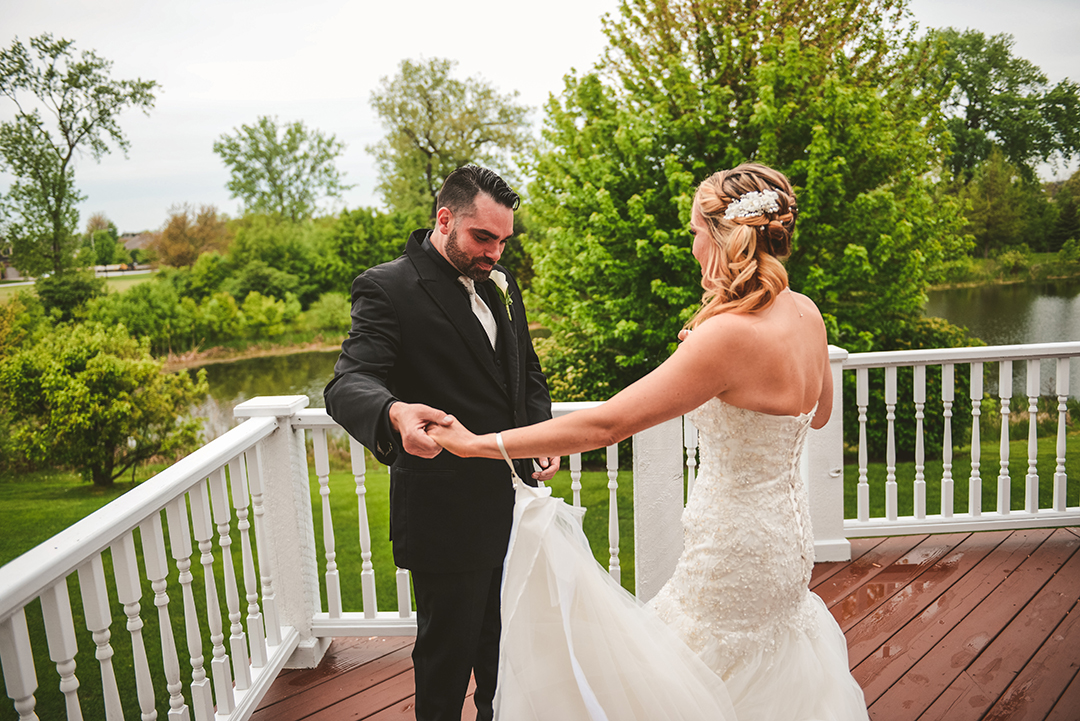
<point x="753" y="368"/>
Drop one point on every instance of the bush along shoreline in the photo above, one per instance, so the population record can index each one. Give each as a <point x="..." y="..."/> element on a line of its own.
<point x="1013" y="266"/>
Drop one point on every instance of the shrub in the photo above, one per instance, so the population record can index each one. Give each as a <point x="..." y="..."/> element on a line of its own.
<point x="1070" y="251"/>
<point x="331" y="312"/>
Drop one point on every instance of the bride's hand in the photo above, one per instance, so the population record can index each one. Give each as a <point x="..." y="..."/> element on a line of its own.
<point x="451" y="435"/>
<point x="684" y="334"/>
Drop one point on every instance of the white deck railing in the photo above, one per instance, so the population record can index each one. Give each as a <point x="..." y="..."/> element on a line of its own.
<point x="260" y="468"/>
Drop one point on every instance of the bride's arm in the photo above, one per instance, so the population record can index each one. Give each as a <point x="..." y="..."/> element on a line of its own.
<point x="699" y="369"/>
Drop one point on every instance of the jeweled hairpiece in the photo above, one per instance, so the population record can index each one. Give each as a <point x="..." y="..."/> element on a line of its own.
<point x="752" y="204"/>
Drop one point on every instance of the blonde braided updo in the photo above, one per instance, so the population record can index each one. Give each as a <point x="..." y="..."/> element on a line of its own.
<point x="741" y="270"/>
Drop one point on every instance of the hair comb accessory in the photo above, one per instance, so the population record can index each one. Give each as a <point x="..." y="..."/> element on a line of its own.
<point x="753" y="204"/>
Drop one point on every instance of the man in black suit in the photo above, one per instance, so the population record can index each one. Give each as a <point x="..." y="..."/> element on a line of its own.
<point x="442" y="329"/>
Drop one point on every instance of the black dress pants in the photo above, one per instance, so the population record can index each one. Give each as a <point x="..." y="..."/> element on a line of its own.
<point x="457" y="635"/>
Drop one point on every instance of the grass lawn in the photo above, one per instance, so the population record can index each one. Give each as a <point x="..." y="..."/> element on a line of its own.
<point x="112" y="285"/>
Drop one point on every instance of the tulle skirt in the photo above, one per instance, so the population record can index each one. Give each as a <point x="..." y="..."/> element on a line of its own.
<point x="576" y="646"/>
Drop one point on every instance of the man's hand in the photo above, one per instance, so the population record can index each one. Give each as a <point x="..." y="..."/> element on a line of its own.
<point x="549" y="466"/>
<point x="411" y="421"/>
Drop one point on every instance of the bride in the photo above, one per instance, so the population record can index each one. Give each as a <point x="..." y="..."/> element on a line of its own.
<point x="735" y="632"/>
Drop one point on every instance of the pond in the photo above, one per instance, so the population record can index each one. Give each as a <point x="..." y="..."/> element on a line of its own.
<point x="285" y="375"/>
<point x="999" y="315"/>
<point x="1007" y="314"/>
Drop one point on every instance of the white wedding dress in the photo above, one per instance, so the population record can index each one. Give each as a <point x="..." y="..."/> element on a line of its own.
<point x="734" y="634"/>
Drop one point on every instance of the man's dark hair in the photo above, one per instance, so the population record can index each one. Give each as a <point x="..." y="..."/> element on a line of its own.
<point x="459" y="190"/>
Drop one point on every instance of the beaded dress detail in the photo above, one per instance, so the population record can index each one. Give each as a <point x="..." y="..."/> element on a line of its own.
<point x="739" y="596"/>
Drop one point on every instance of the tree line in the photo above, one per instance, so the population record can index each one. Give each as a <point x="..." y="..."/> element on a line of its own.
<point x="911" y="153"/>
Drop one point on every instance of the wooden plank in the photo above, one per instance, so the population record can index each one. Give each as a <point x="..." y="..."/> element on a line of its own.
<point x="1066" y="706"/>
<point x="932" y="674"/>
<point x="893" y="578"/>
<point x="872" y="631"/>
<point x="1043" y="682"/>
<point x="1005" y="658"/>
<point x="340" y="687"/>
<point x="391" y="693"/>
<point x="888" y="664"/>
<point x="825" y="569"/>
<point x="343" y="655"/>
<point x="868" y="566"/>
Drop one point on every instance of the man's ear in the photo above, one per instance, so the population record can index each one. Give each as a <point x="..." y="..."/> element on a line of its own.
<point x="444" y="218"/>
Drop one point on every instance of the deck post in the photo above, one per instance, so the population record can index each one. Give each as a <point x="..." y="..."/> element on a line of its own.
<point x="823" y="472"/>
<point x="658" y="505"/>
<point x="290" y="536"/>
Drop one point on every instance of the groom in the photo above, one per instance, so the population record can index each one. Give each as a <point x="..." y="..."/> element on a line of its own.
<point x="439" y="330"/>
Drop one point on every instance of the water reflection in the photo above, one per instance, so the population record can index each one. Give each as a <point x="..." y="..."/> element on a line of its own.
<point x="1008" y="314"/>
<point x="1011" y="314"/>
<point x="235" y="382"/>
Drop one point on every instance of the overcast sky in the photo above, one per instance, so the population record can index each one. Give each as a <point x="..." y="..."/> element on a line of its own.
<point x="223" y="63"/>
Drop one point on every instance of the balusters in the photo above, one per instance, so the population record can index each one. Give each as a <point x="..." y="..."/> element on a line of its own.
<point x="975" y="481"/>
<point x="201" y="527"/>
<point x="575" y="478"/>
<point x="128" y="592"/>
<point x="1060" y="477"/>
<point x="890" y="448"/>
<point x="1031" y="481"/>
<point x="690" y="442"/>
<point x="17" y="658"/>
<point x="322" y="470"/>
<point x="947" y="398"/>
<point x="222" y="514"/>
<point x="95" y="597"/>
<point x="180" y="542"/>
<point x="862" y="395"/>
<point x="266" y="576"/>
<point x="613" y="512"/>
<point x="255" y="636"/>
<point x="367" y="569"/>
<point x="920" y="451"/>
<point x="157" y="570"/>
<point x="60" y="633"/>
<point x="1005" y="394"/>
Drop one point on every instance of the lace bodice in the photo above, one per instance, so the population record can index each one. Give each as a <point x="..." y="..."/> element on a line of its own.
<point x="748" y="553"/>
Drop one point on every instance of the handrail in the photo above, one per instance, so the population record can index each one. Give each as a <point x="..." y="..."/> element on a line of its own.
<point x="27" y="576"/>
<point x="883" y="359"/>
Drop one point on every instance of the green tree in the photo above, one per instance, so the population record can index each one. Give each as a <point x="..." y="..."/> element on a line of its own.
<point x="436" y="123"/>
<point x="84" y="104"/>
<point x="1001" y="205"/>
<point x="1001" y="100"/>
<point x="152" y="312"/>
<point x="66" y="296"/>
<point x="360" y="239"/>
<point x="838" y="94"/>
<point x="94" y="399"/>
<point x="284" y="169"/>
<point x="1067" y="220"/>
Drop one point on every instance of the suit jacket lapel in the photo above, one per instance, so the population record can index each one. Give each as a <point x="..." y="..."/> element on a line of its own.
<point x="452" y="301"/>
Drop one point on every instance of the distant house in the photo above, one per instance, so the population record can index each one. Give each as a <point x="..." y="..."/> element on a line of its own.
<point x="136" y="241"/>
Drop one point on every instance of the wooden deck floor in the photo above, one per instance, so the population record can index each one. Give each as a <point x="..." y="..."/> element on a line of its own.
<point x="951" y="626"/>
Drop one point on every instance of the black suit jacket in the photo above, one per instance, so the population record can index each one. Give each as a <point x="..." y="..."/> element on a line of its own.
<point x="414" y="338"/>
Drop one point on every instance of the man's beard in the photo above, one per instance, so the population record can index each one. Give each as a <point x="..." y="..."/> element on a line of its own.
<point x="468" y="265"/>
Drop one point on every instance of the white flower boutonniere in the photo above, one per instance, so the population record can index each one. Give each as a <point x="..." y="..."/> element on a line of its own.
<point x="504" y="290"/>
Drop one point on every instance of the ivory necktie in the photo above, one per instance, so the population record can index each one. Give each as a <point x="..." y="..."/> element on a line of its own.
<point x="480" y="309"/>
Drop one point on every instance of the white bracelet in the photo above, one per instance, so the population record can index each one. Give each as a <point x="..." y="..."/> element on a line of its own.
<point x="506" y="457"/>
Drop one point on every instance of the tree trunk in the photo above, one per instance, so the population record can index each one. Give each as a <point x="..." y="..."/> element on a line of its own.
<point x="102" y="477"/>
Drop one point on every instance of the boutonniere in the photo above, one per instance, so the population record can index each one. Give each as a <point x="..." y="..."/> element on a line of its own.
<point x="503" y="287"/>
